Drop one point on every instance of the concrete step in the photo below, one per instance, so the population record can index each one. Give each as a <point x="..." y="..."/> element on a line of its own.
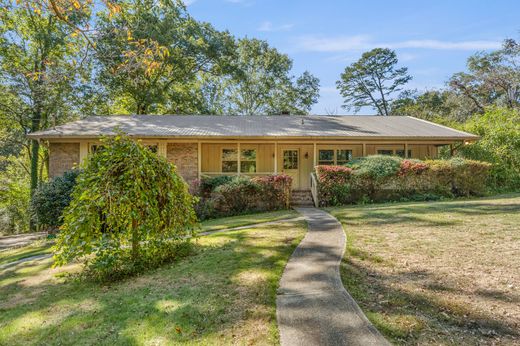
<point x="301" y="198"/>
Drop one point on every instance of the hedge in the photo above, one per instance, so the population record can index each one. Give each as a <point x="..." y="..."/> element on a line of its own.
<point x="384" y="178"/>
<point x="228" y="196"/>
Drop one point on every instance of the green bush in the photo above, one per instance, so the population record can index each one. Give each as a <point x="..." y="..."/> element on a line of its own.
<point x="130" y="210"/>
<point x="239" y="195"/>
<point x="499" y="129"/>
<point x="51" y="198"/>
<point x="14" y="196"/>
<point x="411" y="180"/>
<point x="209" y="184"/>
<point x="376" y="167"/>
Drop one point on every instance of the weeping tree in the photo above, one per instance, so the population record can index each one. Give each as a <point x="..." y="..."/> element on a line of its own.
<point x="129" y="210"/>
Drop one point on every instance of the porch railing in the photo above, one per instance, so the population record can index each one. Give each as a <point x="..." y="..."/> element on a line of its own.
<point x="314" y="190"/>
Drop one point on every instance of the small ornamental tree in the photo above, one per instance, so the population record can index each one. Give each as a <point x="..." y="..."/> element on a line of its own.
<point x="129" y="210"/>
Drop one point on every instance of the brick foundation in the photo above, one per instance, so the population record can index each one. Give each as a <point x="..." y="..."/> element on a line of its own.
<point x="62" y="157"/>
<point x="184" y="156"/>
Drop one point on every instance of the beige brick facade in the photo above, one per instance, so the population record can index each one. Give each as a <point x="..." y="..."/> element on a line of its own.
<point x="184" y="156"/>
<point x="62" y="157"/>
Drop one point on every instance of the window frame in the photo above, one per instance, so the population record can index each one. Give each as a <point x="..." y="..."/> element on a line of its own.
<point x="334" y="161"/>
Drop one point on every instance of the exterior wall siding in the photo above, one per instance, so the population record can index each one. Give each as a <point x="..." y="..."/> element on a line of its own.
<point x="62" y="157"/>
<point x="185" y="157"/>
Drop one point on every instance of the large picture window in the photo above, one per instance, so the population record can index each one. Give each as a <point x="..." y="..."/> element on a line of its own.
<point x="334" y="157"/>
<point x="229" y="161"/>
<point x="394" y="152"/>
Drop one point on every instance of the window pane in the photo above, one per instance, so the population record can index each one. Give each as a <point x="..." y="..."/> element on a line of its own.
<point x="248" y="155"/>
<point x="326" y="157"/>
<point x="229" y="161"/>
<point x="248" y="166"/>
<point x="229" y="166"/>
<point x="343" y="156"/>
<point x="229" y="154"/>
<point x="385" y="152"/>
<point x="290" y="159"/>
<point x="401" y="153"/>
<point x="152" y="148"/>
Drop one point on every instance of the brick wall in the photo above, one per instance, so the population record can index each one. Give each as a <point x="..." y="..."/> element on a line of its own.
<point x="62" y="157"/>
<point x="184" y="156"/>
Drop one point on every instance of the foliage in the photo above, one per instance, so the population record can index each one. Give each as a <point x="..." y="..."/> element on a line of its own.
<point x="129" y="209"/>
<point x="493" y="78"/>
<point x="238" y="195"/>
<point x="51" y="198"/>
<point x="379" y="179"/>
<point x="40" y="72"/>
<point x="261" y="83"/>
<point x="151" y="53"/>
<point x="372" y="80"/>
<point x="499" y="129"/>
<point x="14" y="196"/>
<point x="376" y="167"/>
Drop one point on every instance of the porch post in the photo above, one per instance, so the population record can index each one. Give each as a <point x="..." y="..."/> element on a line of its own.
<point x="364" y="149"/>
<point x="238" y="158"/>
<point x="83" y="151"/>
<point x="406" y="150"/>
<point x="314" y="156"/>
<point x="199" y="159"/>
<point x="275" y="157"/>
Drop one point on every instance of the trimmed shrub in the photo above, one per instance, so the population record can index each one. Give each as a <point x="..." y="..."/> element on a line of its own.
<point x="399" y="179"/>
<point x="130" y="211"/>
<point x="238" y="195"/>
<point x="51" y="198"/>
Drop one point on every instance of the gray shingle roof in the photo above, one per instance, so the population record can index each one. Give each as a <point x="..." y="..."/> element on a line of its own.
<point x="174" y="126"/>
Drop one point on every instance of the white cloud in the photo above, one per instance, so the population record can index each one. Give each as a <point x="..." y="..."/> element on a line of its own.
<point x="363" y="42"/>
<point x="269" y="27"/>
<point x="189" y="2"/>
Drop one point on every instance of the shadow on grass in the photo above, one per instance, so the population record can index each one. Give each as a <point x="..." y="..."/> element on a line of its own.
<point x="405" y="316"/>
<point x="430" y="214"/>
<point x="197" y="299"/>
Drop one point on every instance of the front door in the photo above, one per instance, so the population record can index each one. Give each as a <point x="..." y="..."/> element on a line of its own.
<point x="291" y="165"/>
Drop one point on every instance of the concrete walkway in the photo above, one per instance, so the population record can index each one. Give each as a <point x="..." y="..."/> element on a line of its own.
<point x="312" y="306"/>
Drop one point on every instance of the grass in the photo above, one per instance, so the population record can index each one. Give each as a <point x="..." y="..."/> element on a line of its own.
<point x="246" y="220"/>
<point x="436" y="273"/>
<point x="37" y="248"/>
<point x="223" y="294"/>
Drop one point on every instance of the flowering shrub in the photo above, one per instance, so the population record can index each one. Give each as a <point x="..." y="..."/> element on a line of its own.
<point x="380" y="179"/>
<point x="412" y="167"/>
<point x="227" y="196"/>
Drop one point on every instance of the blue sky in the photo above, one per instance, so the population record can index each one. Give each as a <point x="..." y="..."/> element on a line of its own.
<point x="432" y="38"/>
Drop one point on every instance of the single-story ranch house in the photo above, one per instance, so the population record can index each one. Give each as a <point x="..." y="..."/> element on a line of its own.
<point x="207" y="145"/>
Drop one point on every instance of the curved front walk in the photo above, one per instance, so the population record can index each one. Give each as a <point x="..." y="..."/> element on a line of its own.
<point x="312" y="306"/>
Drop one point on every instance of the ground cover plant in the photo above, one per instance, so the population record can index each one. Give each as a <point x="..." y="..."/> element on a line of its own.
<point x="223" y="294"/>
<point x="442" y="273"/>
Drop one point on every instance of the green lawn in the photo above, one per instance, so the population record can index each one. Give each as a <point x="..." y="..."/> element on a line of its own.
<point x="39" y="247"/>
<point x="223" y="294"/>
<point x="245" y="220"/>
<point x="443" y="273"/>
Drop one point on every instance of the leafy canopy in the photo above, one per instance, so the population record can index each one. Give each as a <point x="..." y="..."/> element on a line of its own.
<point x="372" y="80"/>
<point x="129" y="206"/>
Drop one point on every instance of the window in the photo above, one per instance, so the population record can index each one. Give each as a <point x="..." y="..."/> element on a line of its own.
<point x="290" y="159"/>
<point x="94" y="148"/>
<point x="248" y="161"/>
<point x="152" y="147"/>
<point x="343" y="156"/>
<point x="396" y="152"/>
<point x="400" y="153"/>
<point x="326" y="157"/>
<point x="385" y="152"/>
<point x="229" y="161"/>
